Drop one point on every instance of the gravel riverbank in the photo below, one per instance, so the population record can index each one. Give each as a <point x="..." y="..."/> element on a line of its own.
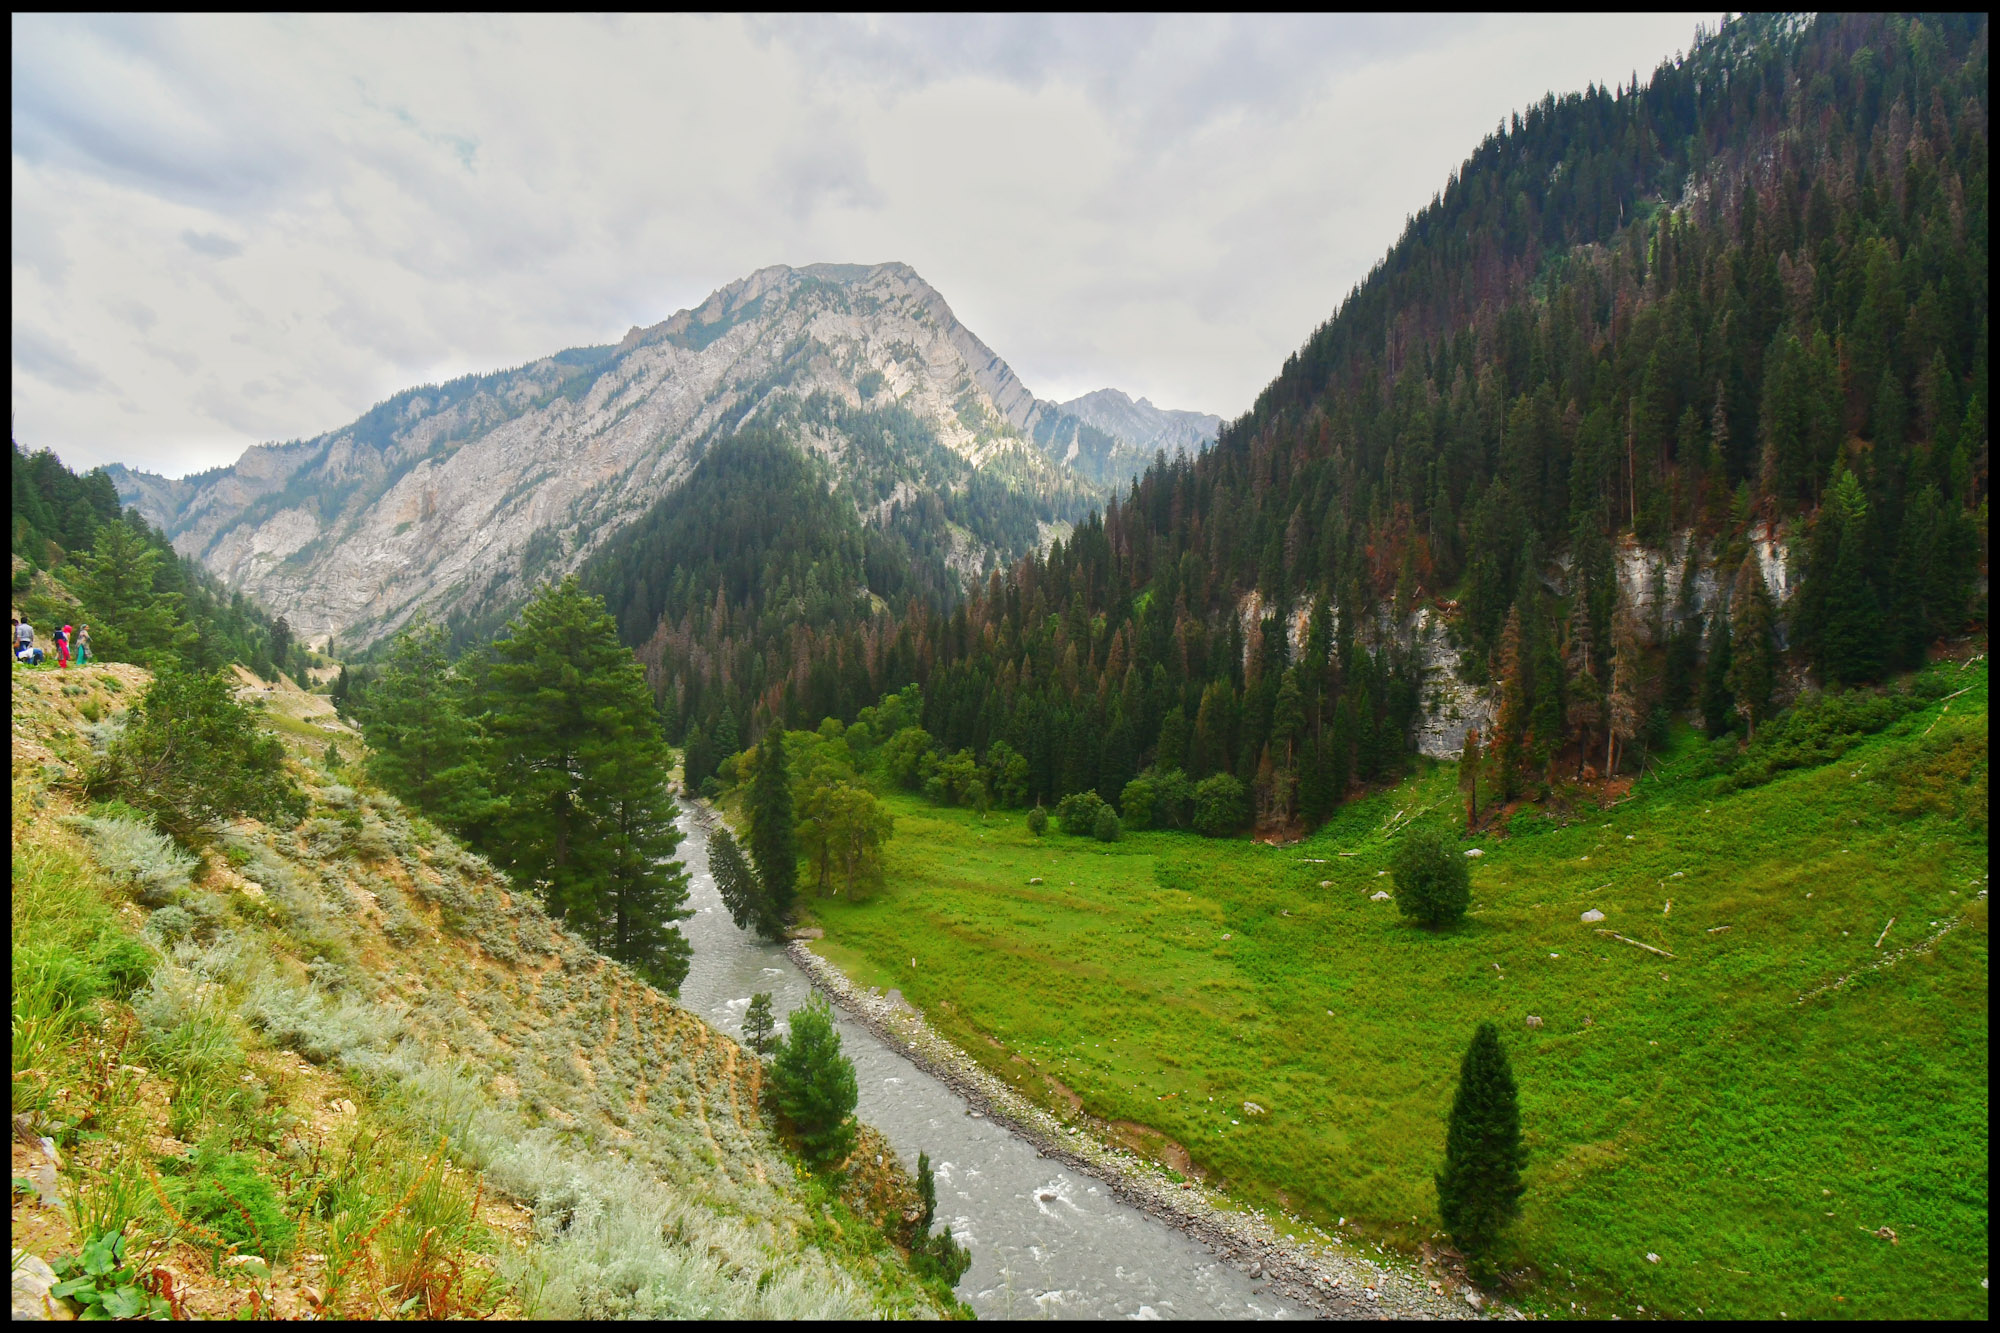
<point x="1333" y="1280"/>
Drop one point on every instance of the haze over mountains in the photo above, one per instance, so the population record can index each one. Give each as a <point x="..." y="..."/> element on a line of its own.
<point x="454" y="500"/>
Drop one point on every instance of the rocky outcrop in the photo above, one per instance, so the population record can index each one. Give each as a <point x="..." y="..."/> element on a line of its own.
<point x="1110" y="439"/>
<point x="1649" y="578"/>
<point x="454" y="500"/>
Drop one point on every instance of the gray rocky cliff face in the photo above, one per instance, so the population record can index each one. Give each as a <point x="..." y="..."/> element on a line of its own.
<point x="1111" y="439"/>
<point x="1649" y="579"/>
<point x="455" y="499"/>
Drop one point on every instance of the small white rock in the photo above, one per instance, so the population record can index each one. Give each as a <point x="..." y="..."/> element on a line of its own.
<point x="1476" y="851"/>
<point x="1593" y="915"/>
<point x="1378" y="897"/>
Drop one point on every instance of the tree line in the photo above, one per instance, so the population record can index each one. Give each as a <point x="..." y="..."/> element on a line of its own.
<point x="1735" y="316"/>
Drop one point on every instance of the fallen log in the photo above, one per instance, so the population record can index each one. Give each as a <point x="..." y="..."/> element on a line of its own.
<point x="1635" y="943"/>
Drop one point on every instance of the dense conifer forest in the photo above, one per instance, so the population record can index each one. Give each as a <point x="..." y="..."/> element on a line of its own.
<point x="1734" y="315"/>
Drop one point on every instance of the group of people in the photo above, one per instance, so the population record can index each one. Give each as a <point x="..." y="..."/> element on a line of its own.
<point x="68" y="640"/>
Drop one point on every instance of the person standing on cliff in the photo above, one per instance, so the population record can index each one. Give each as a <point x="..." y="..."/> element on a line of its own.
<point x="62" y="647"/>
<point x="83" y="645"/>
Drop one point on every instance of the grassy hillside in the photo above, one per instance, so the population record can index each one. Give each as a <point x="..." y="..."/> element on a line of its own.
<point x="1759" y="1108"/>
<point x="346" y="1048"/>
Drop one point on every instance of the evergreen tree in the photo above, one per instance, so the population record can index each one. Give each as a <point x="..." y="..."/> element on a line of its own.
<point x="421" y="744"/>
<point x="1468" y="777"/>
<point x="758" y="1025"/>
<point x="1479" y="1190"/>
<point x="813" y="1085"/>
<point x="1623" y="710"/>
<point x="1718" y="705"/>
<point x="926" y="1191"/>
<point x="1511" y="725"/>
<point x="1584" y="711"/>
<point x="1850" y="638"/>
<point x="741" y="891"/>
<point x="130" y="619"/>
<point x="1753" y="661"/>
<point x="578" y="770"/>
<point x="773" y="837"/>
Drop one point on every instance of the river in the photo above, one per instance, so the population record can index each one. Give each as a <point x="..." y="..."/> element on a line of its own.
<point x="1047" y="1243"/>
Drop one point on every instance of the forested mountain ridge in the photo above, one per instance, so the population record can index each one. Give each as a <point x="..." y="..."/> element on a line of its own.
<point x="1642" y="335"/>
<point x="456" y="500"/>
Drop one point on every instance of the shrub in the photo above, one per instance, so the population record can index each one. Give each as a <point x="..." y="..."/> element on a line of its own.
<point x="193" y="758"/>
<point x="1433" y="883"/>
<point x="1818" y="729"/>
<point x="1077" y="813"/>
<point x="1038" y="821"/>
<point x="1221" y="806"/>
<point x="229" y="1196"/>
<point x="133" y="853"/>
<point x="1107" y="828"/>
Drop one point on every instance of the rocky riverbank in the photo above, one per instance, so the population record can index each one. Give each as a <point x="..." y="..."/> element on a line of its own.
<point x="1324" y="1276"/>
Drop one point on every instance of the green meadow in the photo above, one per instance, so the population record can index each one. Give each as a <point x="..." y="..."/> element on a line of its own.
<point x="1760" y="1104"/>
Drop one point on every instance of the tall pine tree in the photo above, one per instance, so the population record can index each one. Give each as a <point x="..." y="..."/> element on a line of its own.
<point x="579" y="775"/>
<point x="1479" y="1190"/>
<point x="1753" y="661"/>
<point x="773" y="836"/>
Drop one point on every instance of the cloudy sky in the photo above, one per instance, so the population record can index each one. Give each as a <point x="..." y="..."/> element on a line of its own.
<point x="234" y="230"/>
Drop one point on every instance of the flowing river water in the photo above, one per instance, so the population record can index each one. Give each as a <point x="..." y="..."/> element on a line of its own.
<point x="1047" y="1242"/>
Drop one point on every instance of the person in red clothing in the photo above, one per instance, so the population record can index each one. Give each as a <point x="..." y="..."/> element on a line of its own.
<point x="62" y="647"/>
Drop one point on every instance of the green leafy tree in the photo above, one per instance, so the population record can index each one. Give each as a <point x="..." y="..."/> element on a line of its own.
<point x="842" y="828"/>
<point x="1038" y="821"/>
<point x="1078" y="813"/>
<point x="193" y="758"/>
<point x="1138" y="802"/>
<point x="758" y="1025"/>
<point x="813" y="1085"/>
<point x="1221" y="805"/>
<point x="773" y="837"/>
<point x="1479" y="1190"/>
<point x="1433" y="883"/>
<point x="1106" y="827"/>
<point x="1007" y="774"/>
<point x="957" y="780"/>
<point x="903" y="755"/>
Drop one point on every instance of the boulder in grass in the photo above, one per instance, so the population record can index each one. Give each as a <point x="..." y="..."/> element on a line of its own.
<point x="1593" y="915"/>
<point x="1476" y="851"/>
<point x="1378" y="897"/>
<point x="1534" y="1021"/>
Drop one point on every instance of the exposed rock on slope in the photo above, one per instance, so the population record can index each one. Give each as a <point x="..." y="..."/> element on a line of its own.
<point x="1110" y="439"/>
<point x="453" y="500"/>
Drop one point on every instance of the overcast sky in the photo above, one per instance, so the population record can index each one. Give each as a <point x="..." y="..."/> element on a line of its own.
<point x="231" y="230"/>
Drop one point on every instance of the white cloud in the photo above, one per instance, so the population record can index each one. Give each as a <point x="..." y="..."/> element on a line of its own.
<point x="228" y="230"/>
